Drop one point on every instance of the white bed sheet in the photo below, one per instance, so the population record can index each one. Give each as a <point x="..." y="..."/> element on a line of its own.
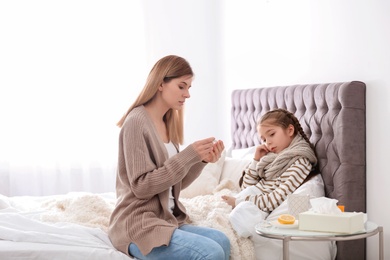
<point x="10" y="250"/>
<point x="23" y="234"/>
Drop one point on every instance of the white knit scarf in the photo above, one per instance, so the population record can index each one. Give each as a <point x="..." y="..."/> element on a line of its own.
<point x="272" y="165"/>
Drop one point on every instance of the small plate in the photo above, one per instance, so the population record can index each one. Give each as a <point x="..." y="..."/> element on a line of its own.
<point x="275" y="223"/>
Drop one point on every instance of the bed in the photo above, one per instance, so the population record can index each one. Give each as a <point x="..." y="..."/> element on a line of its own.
<point x="73" y="225"/>
<point x="333" y="115"/>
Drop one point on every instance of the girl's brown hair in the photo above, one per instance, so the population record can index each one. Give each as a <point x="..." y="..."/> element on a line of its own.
<point x="283" y="118"/>
<point x="166" y="69"/>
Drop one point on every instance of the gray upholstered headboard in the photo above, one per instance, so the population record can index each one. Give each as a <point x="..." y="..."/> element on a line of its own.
<point x="333" y="115"/>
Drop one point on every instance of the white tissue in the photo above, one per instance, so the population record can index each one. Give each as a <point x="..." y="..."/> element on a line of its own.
<point x="325" y="205"/>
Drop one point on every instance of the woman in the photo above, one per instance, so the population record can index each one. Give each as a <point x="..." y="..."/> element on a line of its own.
<point x="149" y="221"/>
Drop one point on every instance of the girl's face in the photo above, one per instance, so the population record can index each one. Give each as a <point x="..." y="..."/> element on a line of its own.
<point x="275" y="137"/>
<point x="175" y="92"/>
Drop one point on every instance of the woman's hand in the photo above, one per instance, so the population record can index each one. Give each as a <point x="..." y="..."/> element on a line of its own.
<point x="229" y="200"/>
<point x="215" y="154"/>
<point x="208" y="149"/>
<point x="261" y="150"/>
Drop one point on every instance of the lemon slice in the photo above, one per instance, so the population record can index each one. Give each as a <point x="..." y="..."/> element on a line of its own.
<point x="286" y="219"/>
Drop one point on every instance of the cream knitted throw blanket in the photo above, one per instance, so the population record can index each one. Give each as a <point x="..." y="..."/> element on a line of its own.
<point x="273" y="165"/>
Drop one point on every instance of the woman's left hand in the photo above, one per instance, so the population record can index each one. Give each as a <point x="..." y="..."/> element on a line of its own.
<point x="215" y="154"/>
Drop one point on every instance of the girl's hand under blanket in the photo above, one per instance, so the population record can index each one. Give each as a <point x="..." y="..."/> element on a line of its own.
<point x="229" y="200"/>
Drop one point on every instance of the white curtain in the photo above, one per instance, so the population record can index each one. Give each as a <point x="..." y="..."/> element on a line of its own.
<point x="68" y="72"/>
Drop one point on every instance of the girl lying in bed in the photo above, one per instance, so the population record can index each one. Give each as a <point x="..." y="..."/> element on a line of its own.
<point x="280" y="165"/>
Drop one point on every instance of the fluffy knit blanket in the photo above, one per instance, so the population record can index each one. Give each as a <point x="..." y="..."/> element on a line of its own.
<point x="93" y="210"/>
<point x="212" y="211"/>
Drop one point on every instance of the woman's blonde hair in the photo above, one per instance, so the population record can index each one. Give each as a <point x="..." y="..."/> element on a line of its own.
<point x="166" y="69"/>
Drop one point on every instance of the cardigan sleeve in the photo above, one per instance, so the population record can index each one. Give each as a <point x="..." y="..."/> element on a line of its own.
<point x="148" y="169"/>
<point x="273" y="192"/>
<point x="193" y="174"/>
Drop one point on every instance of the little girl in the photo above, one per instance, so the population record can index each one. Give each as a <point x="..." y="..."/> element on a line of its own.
<point x="280" y="165"/>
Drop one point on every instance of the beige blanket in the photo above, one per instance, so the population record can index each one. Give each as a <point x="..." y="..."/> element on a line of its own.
<point x="212" y="211"/>
<point x="93" y="210"/>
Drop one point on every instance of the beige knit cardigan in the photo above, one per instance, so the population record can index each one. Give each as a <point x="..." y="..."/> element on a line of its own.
<point x="144" y="176"/>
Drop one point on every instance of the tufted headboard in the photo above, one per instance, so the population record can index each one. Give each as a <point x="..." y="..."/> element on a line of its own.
<point x="333" y="115"/>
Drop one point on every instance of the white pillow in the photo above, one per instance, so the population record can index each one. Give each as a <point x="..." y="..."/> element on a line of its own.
<point x="314" y="188"/>
<point x="245" y="153"/>
<point x="207" y="180"/>
<point x="236" y="162"/>
<point x="233" y="168"/>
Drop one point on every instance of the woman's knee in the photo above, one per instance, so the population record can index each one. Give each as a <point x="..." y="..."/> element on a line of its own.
<point x="216" y="251"/>
<point x="223" y="240"/>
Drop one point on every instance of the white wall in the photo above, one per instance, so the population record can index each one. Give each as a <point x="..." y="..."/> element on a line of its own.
<point x="282" y="42"/>
<point x="190" y="29"/>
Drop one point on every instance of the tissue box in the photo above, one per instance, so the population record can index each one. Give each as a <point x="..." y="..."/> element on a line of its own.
<point x="346" y="222"/>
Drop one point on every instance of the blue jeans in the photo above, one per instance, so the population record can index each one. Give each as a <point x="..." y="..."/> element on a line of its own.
<point x="190" y="242"/>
